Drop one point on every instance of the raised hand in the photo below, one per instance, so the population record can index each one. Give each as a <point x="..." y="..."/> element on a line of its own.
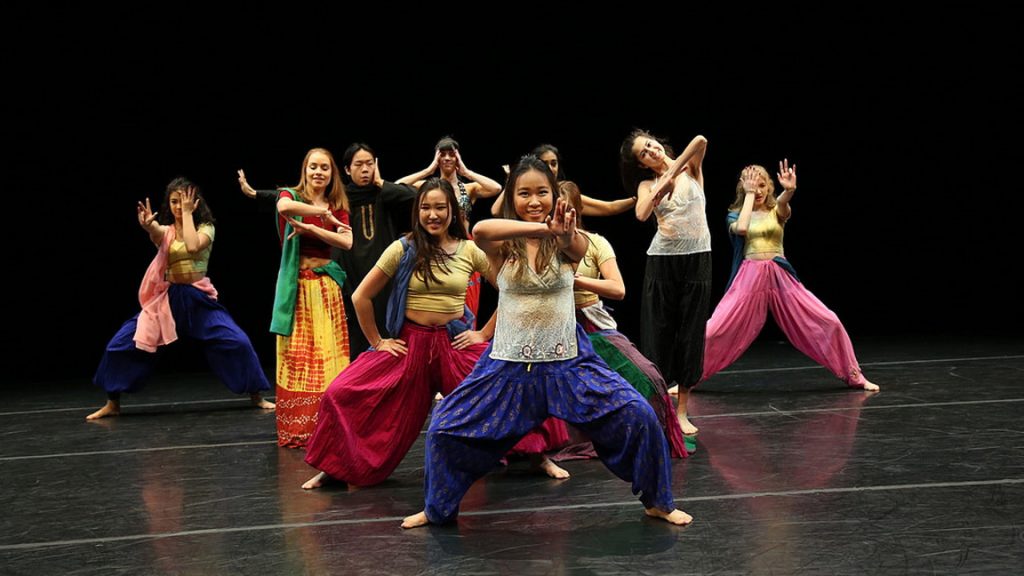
<point x="460" y="165"/>
<point x="377" y="180"/>
<point x="787" y="175"/>
<point x="563" y="225"/>
<point x="749" y="178"/>
<point x="189" y="201"/>
<point x="244" y="184"/>
<point x="145" y="214"/>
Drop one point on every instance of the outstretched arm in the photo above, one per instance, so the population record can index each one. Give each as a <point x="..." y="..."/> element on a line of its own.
<point x="787" y="178"/>
<point x="147" y="219"/>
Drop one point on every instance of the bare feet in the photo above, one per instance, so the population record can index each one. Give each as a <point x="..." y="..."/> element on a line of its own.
<point x="684" y="398"/>
<point x="415" y="521"/>
<point x="315" y="482"/>
<point x="677" y="516"/>
<point x="259" y="402"/>
<point x="674" y="391"/>
<point x="688" y="428"/>
<point x="870" y="386"/>
<point x="548" y="466"/>
<point x="111" y="408"/>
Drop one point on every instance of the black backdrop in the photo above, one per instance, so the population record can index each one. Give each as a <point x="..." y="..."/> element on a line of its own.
<point x="904" y="131"/>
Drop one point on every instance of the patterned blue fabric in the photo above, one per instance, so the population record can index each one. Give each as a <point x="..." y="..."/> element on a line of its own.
<point x="500" y="401"/>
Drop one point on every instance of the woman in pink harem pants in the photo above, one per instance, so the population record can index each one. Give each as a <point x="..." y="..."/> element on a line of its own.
<point x="766" y="281"/>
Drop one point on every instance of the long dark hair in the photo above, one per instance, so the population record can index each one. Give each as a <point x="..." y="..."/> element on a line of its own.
<point x="630" y="168"/>
<point x="201" y="215"/>
<point x="542" y="149"/>
<point x="428" y="247"/>
<point x="515" y="249"/>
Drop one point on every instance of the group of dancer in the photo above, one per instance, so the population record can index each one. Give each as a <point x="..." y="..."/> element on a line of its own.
<point x="404" y="309"/>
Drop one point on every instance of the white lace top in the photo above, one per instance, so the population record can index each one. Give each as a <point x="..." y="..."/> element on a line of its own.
<point x="682" y="222"/>
<point x="536" y="314"/>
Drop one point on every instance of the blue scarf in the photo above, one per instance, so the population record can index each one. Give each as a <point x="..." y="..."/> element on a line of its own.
<point x="400" y="291"/>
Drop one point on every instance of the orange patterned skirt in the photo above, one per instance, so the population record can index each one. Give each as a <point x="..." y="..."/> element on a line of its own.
<point x="311" y="358"/>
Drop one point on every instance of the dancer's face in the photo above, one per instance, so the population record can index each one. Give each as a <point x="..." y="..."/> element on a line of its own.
<point x="649" y="152"/>
<point x="761" y="191"/>
<point x="361" y="168"/>
<point x="447" y="161"/>
<point x="318" y="171"/>
<point x="551" y="159"/>
<point x="435" y="213"/>
<point x="533" y="196"/>
<point x="175" y="201"/>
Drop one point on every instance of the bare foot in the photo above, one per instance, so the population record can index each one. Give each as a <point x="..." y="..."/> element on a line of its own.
<point x="315" y="482"/>
<point x="674" y="391"/>
<point x="415" y="521"/>
<point x="688" y="428"/>
<point x="438" y="397"/>
<point x="548" y="466"/>
<point x="681" y="403"/>
<point x="870" y="386"/>
<point x="111" y="408"/>
<point x="677" y="516"/>
<point x="259" y="402"/>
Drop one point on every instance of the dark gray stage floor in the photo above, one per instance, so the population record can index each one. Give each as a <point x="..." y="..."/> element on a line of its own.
<point x="794" y="473"/>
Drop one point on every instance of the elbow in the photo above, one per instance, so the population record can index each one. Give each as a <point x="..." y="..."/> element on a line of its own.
<point x="619" y="293"/>
<point x="700" y="140"/>
<point x="480" y="231"/>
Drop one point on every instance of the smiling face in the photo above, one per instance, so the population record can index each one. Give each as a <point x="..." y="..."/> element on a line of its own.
<point x="447" y="161"/>
<point x="534" y="196"/>
<point x="648" y="152"/>
<point x="435" y="213"/>
<point x="319" y="171"/>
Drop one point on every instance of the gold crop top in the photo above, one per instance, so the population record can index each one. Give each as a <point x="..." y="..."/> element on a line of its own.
<point x="764" y="235"/>
<point x="185" y="268"/>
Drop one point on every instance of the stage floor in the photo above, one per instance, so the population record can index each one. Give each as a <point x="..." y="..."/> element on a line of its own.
<point x="794" y="473"/>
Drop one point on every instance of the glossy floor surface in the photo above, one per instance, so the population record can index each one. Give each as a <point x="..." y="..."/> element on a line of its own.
<point x="794" y="474"/>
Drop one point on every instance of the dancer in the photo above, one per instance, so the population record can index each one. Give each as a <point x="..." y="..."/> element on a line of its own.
<point x="598" y="276"/>
<point x="395" y="382"/>
<point x="448" y="158"/>
<point x="763" y="280"/>
<point x="591" y="206"/>
<point x="176" y="294"/>
<point x="373" y="203"/>
<point x="309" y="317"/>
<point x="677" y="280"/>
<point x="539" y="364"/>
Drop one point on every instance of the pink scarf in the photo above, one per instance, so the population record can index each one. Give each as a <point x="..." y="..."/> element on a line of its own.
<point x="155" y="326"/>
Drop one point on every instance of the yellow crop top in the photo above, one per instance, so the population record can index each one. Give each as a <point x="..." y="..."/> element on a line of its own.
<point x="185" y="268"/>
<point x="764" y="235"/>
<point x="447" y="296"/>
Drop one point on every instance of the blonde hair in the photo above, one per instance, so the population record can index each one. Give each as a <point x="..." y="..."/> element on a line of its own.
<point x="336" y="196"/>
<point x="769" y="198"/>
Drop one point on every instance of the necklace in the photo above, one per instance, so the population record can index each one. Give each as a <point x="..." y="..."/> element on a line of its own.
<point x="367" y="233"/>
